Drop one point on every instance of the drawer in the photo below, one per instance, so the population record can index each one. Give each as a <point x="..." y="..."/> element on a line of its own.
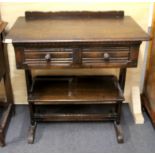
<point x="77" y="57"/>
<point x="45" y="58"/>
<point x="106" y="57"/>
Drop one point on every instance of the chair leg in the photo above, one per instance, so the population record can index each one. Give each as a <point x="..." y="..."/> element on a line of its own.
<point x="2" y="138"/>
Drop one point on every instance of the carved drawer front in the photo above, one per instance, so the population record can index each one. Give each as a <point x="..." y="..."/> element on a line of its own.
<point x="77" y="57"/>
<point x="45" y="58"/>
<point x="106" y="57"/>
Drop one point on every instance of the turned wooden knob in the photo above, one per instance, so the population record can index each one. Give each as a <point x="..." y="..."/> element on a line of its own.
<point x="47" y="57"/>
<point x="106" y="56"/>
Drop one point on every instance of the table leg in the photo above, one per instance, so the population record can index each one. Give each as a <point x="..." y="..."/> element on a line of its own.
<point x="33" y="126"/>
<point x="122" y="78"/>
<point x="119" y="132"/>
<point x="31" y="133"/>
<point x="32" y="129"/>
<point x="117" y="126"/>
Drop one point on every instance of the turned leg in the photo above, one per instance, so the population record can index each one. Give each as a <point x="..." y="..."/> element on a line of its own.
<point x="119" y="132"/>
<point x="31" y="133"/>
<point x="118" y="111"/>
<point x="118" y="128"/>
<point x="122" y="78"/>
<point x="32" y="129"/>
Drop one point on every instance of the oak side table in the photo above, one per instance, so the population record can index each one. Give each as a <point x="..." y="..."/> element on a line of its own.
<point x="75" y="40"/>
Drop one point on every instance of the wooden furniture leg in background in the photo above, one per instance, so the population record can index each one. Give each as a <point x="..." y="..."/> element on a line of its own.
<point x="8" y="106"/>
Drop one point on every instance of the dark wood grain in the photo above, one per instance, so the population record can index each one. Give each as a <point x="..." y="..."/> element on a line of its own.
<point x="90" y="90"/>
<point x="34" y="15"/>
<point x="77" y="57"/>
<point x="91" y="29"/>
<point x="70" y="112"/>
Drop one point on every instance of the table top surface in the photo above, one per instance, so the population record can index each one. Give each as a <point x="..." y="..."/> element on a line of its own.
<point x="76" y="30"/>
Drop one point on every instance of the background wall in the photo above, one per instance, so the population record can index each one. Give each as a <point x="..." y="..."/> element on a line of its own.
<point x="10" y="12"/>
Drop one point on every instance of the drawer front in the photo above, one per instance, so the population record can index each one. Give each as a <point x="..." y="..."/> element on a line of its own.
<point x="107" y="56"/>
<point x="45" y="58"/>
<point x="79" y="57"/>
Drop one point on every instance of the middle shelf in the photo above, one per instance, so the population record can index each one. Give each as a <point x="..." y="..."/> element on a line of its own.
<point x="75" y="90"/>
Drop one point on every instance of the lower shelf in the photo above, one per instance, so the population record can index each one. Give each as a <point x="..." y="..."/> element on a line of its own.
<point x="75" y="112"/>
<point x="75" y="90"/>
<point x="82" y="98"/>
